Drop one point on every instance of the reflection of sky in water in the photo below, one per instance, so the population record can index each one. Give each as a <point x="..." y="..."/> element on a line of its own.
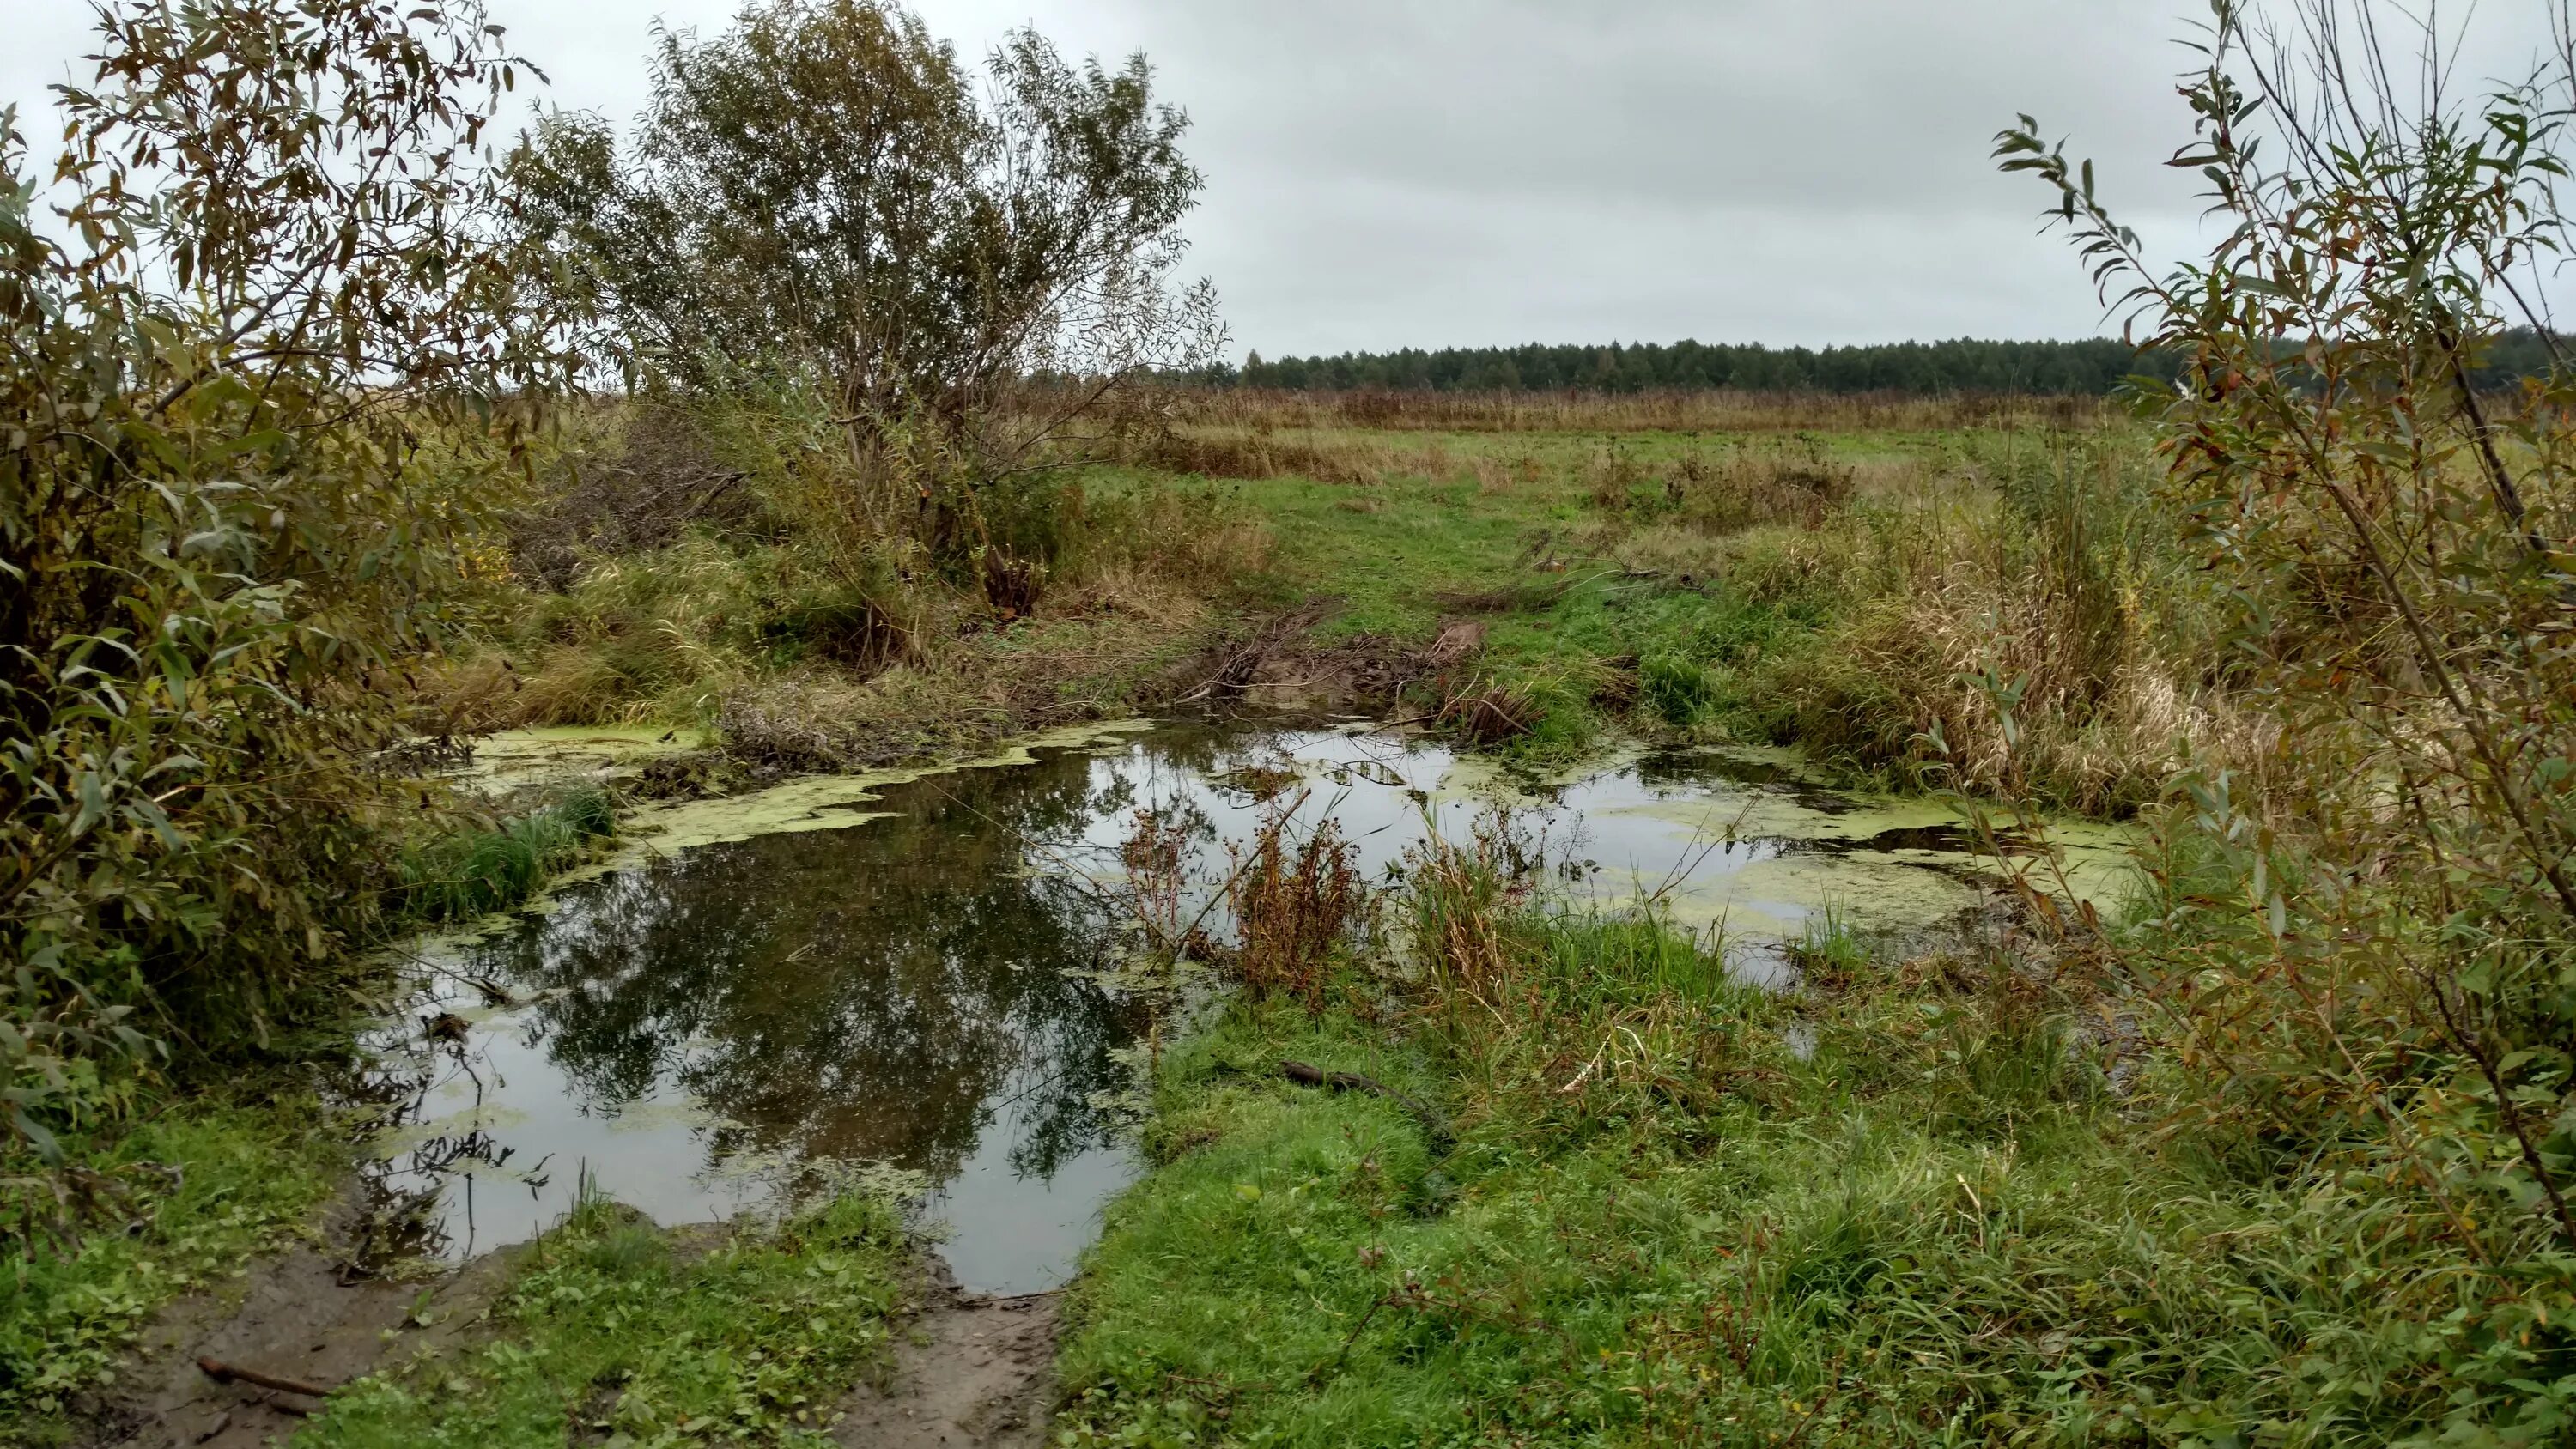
<point x="918" y="989"/>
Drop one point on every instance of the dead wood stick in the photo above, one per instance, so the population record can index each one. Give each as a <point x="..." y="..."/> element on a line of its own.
<point x="224" y="1373"/>
<point x="1314" y="1076"/>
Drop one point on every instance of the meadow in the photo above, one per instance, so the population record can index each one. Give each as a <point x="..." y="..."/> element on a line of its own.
<point x="2034" y="1221"/>
<point x="1616" y="577"/>
<point x="1822" y="571"/>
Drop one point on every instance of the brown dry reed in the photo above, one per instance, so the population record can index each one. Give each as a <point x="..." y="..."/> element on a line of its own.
<point x="1296" y="904"/>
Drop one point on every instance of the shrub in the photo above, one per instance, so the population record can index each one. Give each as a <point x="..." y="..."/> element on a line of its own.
<point x="259" y="397"/>
<point x="2368" y="960"/>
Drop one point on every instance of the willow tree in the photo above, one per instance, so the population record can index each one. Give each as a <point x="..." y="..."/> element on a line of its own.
<point x="261" y="372"/>
<point x="2376" y="968"/>
<point x="826" y="195"/>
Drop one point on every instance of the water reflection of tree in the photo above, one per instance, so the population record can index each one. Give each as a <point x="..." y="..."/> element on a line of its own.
<point x="875" y="992"/>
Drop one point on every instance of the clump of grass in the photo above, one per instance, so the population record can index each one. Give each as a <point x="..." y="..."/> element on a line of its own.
<point x="1395" y="1244"/>
<point x="473" y="872"/>
<point x="1829" y="953"/>
<point x="1678" y="689"/>
<point x="611" y="1331"/>
<point x="1486" y="713"/>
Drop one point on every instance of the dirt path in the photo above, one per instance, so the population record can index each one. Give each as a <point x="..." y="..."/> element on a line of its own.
<point x="969" y="1369"/>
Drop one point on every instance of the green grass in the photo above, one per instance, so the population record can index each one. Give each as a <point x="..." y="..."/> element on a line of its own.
<point x="478" y="871"/>
<point x="185" y="1197"/>
<point x="1588" y="648"/>
<point x="1936" y="1229"/>
<point x="612" y="1331"/>
<point x="1399" y="544"/>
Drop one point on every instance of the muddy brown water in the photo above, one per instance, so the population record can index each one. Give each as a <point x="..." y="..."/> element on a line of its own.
<point x="918" y="975"/>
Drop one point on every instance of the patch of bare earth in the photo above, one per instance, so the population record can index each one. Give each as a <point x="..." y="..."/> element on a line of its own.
<point x="969" y="1369"/>
<point x="304" y="1317"/>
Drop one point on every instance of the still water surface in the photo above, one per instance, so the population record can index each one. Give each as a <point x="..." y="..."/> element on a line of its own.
<point x="921" y="971"/>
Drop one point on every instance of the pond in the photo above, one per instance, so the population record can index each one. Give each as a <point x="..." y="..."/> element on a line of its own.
<point x="918" y="971"/>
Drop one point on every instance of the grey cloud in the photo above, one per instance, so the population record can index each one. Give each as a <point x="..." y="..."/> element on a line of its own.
<point x="1384" y="173"/>
<point x="1852" y="103"/>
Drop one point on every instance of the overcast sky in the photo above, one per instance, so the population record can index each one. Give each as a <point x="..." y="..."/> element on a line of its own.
<point x="1383" y="173"/>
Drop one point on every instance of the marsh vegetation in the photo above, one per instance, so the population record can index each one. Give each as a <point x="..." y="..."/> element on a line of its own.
<point x="343" y="430"/>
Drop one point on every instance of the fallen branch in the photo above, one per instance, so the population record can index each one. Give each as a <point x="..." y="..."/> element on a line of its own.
<point x="1333" y="1365"/>
<point x="1312" y="1076"/>
<point x="224" y="1373"/>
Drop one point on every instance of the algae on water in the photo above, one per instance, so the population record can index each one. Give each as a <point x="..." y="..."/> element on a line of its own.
<point x="826" y="802"/>
<point x="508" y="760"/>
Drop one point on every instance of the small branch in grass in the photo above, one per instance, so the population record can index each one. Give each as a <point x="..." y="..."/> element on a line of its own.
<point x="1313" y="1076"/>
<point x="1317" y="1374"/>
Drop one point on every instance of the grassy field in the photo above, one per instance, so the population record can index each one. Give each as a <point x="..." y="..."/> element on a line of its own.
<point x="1856" y="592"/>
<point x="1942" y="1200"/>
<point x="1683" y="583"/>
<point x="1924" y="1202"/>
<point x="1831" y="586"/>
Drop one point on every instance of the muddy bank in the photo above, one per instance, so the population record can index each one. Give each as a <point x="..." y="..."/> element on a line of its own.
<point x="312" y="1315"/>
<point x="250" y="1366"/>
<point x="968" y="1369"/>
<point x="1267" y="661"/>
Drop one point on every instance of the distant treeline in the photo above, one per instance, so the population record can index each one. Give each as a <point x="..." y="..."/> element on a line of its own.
<point x="2091" y="367"/>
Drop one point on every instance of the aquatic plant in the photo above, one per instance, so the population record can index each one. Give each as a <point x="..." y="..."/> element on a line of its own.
<point x="470" y="872"/>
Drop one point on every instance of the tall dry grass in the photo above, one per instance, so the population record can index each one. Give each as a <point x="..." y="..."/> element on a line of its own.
<point x="706" y="566"/>
<point x="1296" y="905"/>
<point x="2010" y="618"/>
<point x="2031" y="634"/>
